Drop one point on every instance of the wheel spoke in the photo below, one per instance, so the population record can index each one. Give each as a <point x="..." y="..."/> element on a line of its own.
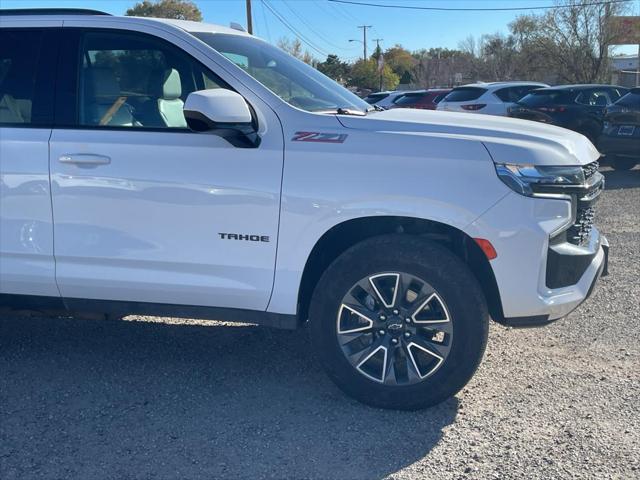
<point x="425" y="360"/>
<point x="375" y="372"/>
<point x="431" y="310"/>
<point x="360" y="323"/>
<point x="385" y="287"/>
<point x="390" y="371"/>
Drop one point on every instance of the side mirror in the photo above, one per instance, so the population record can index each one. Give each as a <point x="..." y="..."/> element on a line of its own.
<point x="224" y="113"/>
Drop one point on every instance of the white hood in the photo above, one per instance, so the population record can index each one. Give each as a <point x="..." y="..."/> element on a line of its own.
<point x="508" y="140"/>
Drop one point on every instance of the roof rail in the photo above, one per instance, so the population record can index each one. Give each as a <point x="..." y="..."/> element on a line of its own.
<point x="50" y="11"/>
<point x="237" y="26"/>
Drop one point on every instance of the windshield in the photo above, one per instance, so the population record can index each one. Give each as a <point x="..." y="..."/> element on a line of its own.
<point x="631" y="99"/>
<point x="294" y="81"/>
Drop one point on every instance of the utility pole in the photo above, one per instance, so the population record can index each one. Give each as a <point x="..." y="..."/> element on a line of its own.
<point x="380" y="60"/>
<point x="364" y="39"/>
<point x="249" y="19"/>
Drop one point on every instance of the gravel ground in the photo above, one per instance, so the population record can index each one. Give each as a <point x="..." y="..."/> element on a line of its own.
<point x="169" y="398"/>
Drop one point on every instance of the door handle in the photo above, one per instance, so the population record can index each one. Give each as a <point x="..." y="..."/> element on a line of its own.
<point x="84" y="159"/>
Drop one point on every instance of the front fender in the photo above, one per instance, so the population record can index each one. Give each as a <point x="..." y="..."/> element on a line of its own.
<point x="451" y="181"/>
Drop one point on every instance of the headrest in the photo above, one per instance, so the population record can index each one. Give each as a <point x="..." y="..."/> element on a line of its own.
<point x="166" y="84"/>
<point x="101" y="82"/>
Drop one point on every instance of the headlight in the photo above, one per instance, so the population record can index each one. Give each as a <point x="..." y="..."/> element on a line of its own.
<point x="530" y="180"/>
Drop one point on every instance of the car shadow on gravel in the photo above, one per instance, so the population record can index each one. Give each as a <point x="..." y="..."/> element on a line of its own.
<point x="618" y="179"/>
<point x="90" y="399"/>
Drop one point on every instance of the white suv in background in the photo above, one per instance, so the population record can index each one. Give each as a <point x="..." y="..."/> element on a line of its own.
<point x="174" y="168"/>
<point x="489" y="98"/>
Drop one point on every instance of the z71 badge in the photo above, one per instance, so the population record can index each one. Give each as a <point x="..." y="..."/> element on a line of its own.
<point x="319" y="137"/>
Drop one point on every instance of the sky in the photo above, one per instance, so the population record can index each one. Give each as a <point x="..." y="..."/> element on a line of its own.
<point x="327" y="27"/>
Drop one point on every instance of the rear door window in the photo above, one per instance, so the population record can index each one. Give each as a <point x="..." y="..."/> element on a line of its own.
<point x="541" y="98"/>
<point x="27" y="63"/>
<point x="464" y="94"/>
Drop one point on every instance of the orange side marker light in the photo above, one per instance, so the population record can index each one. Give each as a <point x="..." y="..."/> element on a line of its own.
<point x="487" y="248"/>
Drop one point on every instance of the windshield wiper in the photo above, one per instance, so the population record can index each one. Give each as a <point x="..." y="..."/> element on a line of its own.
<point x="350" y="111"/>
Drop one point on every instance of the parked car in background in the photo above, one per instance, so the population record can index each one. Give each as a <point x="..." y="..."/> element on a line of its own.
<point x="490" y="98"/>
<point x="620" y="138"/>
<point x="384" y="99"/>
<point x="424" y="99"/>
<point x="577" y="107"/>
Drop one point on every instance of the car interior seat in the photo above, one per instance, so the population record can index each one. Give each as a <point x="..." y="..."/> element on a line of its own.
<point x="167" y="88"/>
<point x="601" y="101"/>
<point x="15" y="98"/>
<point x="103" y="102"/>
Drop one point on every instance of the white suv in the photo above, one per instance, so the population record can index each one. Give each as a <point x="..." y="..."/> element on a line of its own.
<point x="175" y="168"/>
<point x="493" y="98"/>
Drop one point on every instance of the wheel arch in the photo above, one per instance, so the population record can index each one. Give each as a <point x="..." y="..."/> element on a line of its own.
<point x="346" y="234"/>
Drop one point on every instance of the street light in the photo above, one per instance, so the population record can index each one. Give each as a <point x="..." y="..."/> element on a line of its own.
<point x="364" y="53"/>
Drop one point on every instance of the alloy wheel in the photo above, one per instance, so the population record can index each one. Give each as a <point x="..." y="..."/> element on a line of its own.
<point x="394" y="328"/>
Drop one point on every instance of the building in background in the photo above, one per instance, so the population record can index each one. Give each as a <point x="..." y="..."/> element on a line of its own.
<point x="623" y="70"/>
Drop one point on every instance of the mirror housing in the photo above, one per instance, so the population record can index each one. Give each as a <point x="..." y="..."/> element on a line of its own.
<point x="221" y="112"/>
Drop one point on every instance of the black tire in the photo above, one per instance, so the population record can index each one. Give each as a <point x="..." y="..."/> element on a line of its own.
<point x="622" y="163"/>
<point x="458" y="288"/>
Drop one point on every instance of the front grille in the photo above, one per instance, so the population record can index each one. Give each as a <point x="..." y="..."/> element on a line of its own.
<point x="579" y="232"/>
<point x="590" y="169"/>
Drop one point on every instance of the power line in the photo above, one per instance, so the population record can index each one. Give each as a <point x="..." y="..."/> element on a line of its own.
<point x="311" y="29"/>
<point x="489" y="9"/>
<point x="345" y="12"/>
<point x="293" y="29"/>
<point x="266" y="24"/>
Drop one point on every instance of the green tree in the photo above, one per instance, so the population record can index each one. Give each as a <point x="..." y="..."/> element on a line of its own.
<point x="177" y="9"/>
<point x="364" y="74"/>
<point x="399" y="60"/>
<point x="334" y="68"/>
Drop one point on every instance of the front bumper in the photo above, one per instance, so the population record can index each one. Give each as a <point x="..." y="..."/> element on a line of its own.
<point x="522" y="230"/>
<point x="565" y="307"/>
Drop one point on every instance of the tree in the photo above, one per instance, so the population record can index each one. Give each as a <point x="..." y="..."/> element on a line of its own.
<point x="399" y="60"/>
<point x="177" y="9"/>
<point x="437" y="67"/>
<point x="334" y="68"/>
<point x="573" y="41"/>
<point x="500" y="56"/>
<point x="364" y="74"/>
